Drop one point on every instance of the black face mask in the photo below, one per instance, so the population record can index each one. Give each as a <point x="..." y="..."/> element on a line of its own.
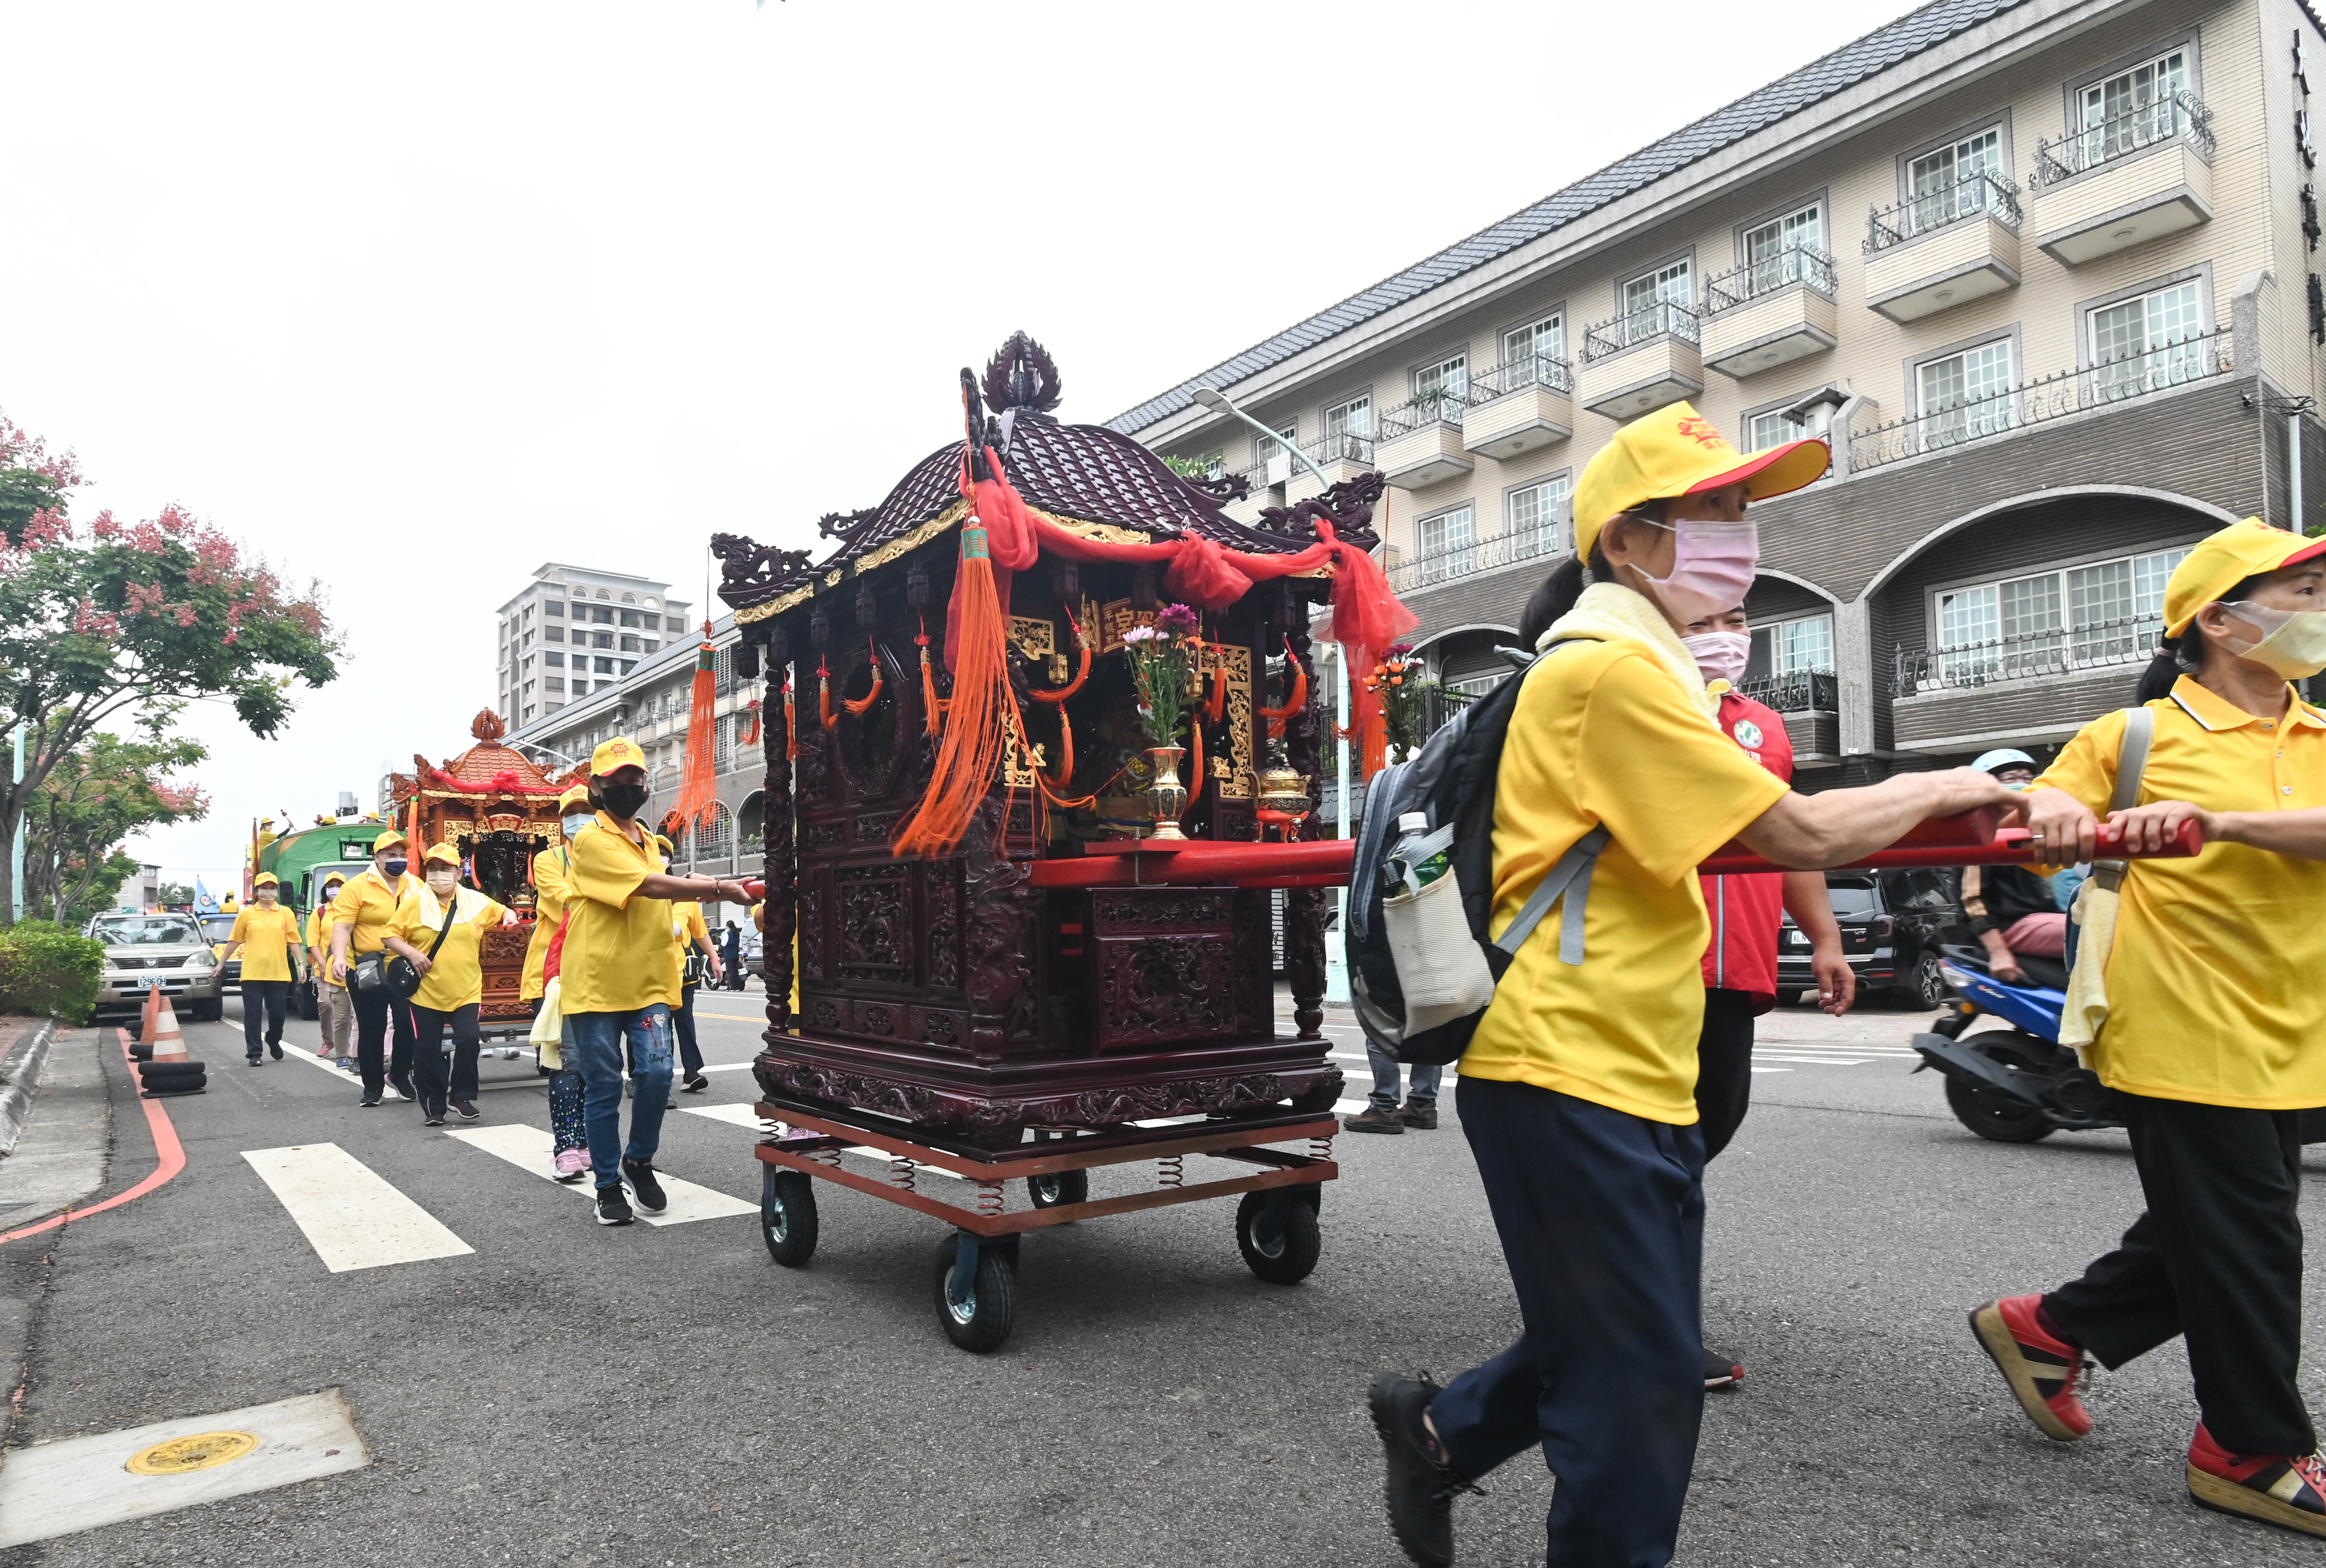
<point x="623" y="800"/>
<point x="396" y="868"/>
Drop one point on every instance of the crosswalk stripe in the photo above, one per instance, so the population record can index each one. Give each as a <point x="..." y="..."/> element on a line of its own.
<point x="351" y="1216"/>
<point x="529" y="1148"/>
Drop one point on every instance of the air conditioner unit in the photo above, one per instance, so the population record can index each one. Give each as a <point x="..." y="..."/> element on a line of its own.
<point x="1280" y="468"/>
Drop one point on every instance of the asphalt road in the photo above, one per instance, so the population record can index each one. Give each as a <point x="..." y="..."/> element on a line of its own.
<point x="574" y="1395"/>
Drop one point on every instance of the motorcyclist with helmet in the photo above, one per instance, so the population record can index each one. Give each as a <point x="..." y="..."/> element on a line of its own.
<point x="2012" y="910"/>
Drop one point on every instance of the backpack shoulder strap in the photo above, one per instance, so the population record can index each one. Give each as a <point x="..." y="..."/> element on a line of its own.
<point x="1570" y="876"/>
<point x="2131" y="763"/>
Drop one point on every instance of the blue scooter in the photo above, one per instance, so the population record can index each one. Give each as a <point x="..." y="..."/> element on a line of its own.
<point x="2018" y="1085"/>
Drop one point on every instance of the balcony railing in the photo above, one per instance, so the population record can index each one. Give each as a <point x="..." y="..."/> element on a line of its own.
<point x="1665" y="318"/>
<point x="2030" y="655"/>
<point x="1796" y="264"/>
<point x="1429" y="408"/>
<point x="1342" y="446"/>
<point x="1969" y="196"/>
<point x="1795" y="691"/>
<point x="1544" y="370"/>
<point x="2197" y="359"/>
<point x="1443" y="564"/>
<point x="2120" y="135"/>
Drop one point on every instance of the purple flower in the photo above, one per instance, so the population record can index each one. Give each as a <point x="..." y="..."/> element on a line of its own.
<point x="1176" y="619"/>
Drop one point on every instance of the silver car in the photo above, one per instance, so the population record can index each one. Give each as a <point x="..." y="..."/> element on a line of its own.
<point x="158" y="953"/>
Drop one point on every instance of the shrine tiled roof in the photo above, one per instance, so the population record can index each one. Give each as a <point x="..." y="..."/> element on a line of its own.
<point x="1845" y="66"/>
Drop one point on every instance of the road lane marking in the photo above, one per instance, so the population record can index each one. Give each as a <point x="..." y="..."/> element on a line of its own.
<point x="529" y="1148"/>
<point x="79" y="1484"/>
<point x="351" y="1216"/>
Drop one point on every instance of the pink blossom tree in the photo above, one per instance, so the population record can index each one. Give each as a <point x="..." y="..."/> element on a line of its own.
<point x="107" y="623"/>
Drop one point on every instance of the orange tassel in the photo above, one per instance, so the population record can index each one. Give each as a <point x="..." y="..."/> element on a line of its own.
<point x="1082" y="674"/>
<point x="791" y="725"/>
<point x="971" y="753"/>
<point x="932" y="706"/>
<point x="1196" y="789"/>
<point x="698" y="787"/>
<point x="1298" y="699"/>
<point x="1064" y="776"/>
<point x="860" y="706"/>
<point x="824" y="695"/>
<point x="1216" y="709"/>
<point x="752" y="735"/>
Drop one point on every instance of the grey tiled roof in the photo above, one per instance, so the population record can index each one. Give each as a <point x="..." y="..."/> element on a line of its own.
<point x="1876" y="51"/>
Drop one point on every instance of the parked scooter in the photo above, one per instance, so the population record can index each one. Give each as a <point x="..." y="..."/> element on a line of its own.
<point x="2018" y="1085"/>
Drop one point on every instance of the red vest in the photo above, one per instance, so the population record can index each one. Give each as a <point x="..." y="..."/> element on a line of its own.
<point x="1743" y="955"/>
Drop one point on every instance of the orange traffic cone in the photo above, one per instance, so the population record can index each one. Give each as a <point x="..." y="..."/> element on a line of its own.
<point x="169" y="1044"/>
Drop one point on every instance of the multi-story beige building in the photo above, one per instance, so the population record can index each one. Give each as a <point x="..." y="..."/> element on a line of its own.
<point x="572" y="630"/>
<point x="2045" y="270"/>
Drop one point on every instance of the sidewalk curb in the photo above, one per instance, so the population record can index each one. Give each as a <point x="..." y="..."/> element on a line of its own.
<point x="20" y="1075"/>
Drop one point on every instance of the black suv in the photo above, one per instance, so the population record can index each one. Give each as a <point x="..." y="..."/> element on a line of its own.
<point x="1891" y="922"/>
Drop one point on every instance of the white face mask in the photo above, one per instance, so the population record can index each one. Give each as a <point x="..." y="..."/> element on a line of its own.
<point x="442" y="882"/>
<point x="2292" y="642"/>
<point x="1712" y="568"/>
<point x="1719" y="655"/>
<point x="576" y="822"/>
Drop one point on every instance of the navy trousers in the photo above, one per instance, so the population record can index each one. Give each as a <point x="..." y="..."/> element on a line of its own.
<point x="1601" y="1215"/>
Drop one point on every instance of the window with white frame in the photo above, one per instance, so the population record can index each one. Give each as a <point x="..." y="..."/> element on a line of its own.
<point x="1211" y="465"/>
<point x="1445" y="544"/>
<point x="2134" y="108"/>
<point x="1658" y="303"/>
<point x="1950" y="182"/>
<point x="1349" y="431"/>
<point x="2103" y="613"/>
<point x="1440" y="390"/>
<point x="1536" y="354"/>
<point x="2141" y="344"/>
<point x="1272" y="457"/>
<point x="1540" y="515"/>
<point x="1775" y="251"/>
<point x="1964" y="396"/>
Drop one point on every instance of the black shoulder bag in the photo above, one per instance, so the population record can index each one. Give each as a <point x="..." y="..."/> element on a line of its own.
<point x="395" y="973"/>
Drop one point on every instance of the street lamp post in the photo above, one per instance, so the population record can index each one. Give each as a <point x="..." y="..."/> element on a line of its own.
<point x="1217" y="402"/>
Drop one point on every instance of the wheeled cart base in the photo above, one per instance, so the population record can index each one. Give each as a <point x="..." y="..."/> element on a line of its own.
<point x="976" y="1267"/>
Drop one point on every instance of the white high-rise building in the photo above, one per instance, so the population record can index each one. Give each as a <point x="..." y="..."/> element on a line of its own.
<point x="573" y="628"/>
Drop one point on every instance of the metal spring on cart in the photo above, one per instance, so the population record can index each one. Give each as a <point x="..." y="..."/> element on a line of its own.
<point x="826" y="1157"/>
<point x="900" y="1173"/>
<point x="989" y="1199"/>
<point x="1169" y="1174"/>
<point x="1321" y="1148"/>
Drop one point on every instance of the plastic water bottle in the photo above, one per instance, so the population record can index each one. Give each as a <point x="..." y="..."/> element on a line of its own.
<point x="1400" y="865"/>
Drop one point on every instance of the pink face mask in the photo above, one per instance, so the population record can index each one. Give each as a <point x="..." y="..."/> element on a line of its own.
<point x="1720" y="656"/>
<point x="1712" y="568"/>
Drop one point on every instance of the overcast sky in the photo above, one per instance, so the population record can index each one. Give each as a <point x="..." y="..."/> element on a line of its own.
<point x="412" y="297"/>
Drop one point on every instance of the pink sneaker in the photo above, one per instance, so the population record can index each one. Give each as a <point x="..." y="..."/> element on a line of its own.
<point x="572" y="1164"/>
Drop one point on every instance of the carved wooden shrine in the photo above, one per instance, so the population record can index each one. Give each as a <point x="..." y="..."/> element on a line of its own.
<point x="498" y="810"/>
<point x="957" y="993"/>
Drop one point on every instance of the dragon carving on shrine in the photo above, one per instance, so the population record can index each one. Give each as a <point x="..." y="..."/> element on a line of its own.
<point x="749" y="571"/>
<point x="1347" y="505"/>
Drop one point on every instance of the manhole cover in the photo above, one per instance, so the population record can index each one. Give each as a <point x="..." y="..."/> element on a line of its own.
<point x="199" y="1452"/>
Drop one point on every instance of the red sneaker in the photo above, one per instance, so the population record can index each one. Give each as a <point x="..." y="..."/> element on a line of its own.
<point x="2046" y="1373"/>
<point x="2276" y="1488"/>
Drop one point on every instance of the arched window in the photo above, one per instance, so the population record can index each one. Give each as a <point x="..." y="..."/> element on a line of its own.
<point x="629" y="599"/>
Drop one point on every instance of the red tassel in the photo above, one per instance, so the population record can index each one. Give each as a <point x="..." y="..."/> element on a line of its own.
<point x="698" y="787"/>
<point x="791" y="725"/>
<point x="824" y="695"/>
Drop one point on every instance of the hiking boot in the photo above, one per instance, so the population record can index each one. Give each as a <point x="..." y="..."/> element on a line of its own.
<point x="1420" y="1486"/>
<point x="1422" y="1115"/>
<point x="641" y="1176"/>
<point x="1721" y="1371"/>
<point x="2045" y="1372"/>
<point x="1374" y="1119"/>
<point x="613" y="1208"/>
<point x="2276" y="1488"/>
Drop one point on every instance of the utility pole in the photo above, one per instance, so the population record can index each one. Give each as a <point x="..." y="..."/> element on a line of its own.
<point x="16" y="844"/>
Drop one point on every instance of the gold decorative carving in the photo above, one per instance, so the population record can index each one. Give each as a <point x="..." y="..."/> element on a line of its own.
<point x="903" y="544"/>
<point x="1236" y="782"/>
<point x="1034" y="637"/>
<point x="1104" y="533"/>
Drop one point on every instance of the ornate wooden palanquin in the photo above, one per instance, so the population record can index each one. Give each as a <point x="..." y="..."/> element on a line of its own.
<point x="954" y="992"/>
<point x="498" y="810"/>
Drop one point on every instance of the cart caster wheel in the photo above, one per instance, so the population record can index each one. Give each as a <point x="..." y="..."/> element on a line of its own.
<point x="978" y="1319"/>
<point x="1281" y="1249"/>
<point x="1058" y="1187"/>
<point x="788" y="1216"/>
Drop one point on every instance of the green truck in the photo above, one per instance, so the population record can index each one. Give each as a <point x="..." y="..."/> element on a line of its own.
<point x="302" y="862"/>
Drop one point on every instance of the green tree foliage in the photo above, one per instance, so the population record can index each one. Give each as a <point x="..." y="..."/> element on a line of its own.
<point x="98" y="794"/>
<point x="175" y="895"/>
<point x="102" y="620"/>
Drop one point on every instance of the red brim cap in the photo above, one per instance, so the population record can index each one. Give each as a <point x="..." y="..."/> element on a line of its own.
<point x="1778" y="471"/>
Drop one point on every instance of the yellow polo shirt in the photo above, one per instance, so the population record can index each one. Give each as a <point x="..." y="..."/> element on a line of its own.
<point x="318" y="941"/>
<point x="267" y="936"/>
<point x="619" y="953"/>
<point x="456" y="977"/>
<point x="1605" y="735"/>
<point x="548" y="911"/>
<point x="2213" y="985"/>
<point x="365" y="906"/>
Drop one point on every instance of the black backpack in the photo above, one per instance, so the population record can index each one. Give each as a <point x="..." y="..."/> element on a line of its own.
<point x="1452" y="783"/>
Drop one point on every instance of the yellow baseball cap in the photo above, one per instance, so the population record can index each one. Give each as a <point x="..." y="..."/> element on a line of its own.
<point x="1675" y="452"/>
<point x="2226" y="558"/>
<point x="664" y="840"/>
<point x="441" y="855"/>
<point x="387" y="840"/>
<point x="574" y="795"/>
<point x="264" y="879"/>
<point x="619" y="752"/>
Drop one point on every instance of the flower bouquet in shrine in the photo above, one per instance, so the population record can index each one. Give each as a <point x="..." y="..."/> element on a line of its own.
<point x="1401" y="681"/>
<point x="1162" y="668"/>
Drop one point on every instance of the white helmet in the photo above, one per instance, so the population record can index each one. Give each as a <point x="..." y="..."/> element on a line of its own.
<point x="1995" y="761"/>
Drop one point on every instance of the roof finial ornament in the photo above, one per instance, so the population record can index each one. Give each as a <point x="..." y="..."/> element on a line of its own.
<point x="1021" y="376"/>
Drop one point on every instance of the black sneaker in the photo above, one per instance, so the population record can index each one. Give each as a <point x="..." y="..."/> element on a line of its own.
<point x="403" y="1087"/>
<point x="613" y="1208"/>
<point x="695" y="1084"/>
<point x="433" y="1119"/>
<point x="368" y="1103"/>
<point x="1420" y="1486"/>
<point x="641" y="1176"/>
<point x="251" y="1060"/>
<point x="275" y="1046"/>
<point x="465" y="1110"/>
<point x="1721" y="1371"/>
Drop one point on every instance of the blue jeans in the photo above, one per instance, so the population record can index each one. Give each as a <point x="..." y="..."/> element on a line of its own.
<point x="592" y="1046"/>
<point x="1384" y="1094"/>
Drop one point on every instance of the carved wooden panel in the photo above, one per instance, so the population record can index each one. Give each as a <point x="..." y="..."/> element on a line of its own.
<point x="1165" y="965"/>
<point x="943" y="902"/>
<point x="872" y="926"/>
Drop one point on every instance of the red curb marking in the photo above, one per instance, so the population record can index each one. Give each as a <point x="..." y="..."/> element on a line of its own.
<point x="166" y="1144"/>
